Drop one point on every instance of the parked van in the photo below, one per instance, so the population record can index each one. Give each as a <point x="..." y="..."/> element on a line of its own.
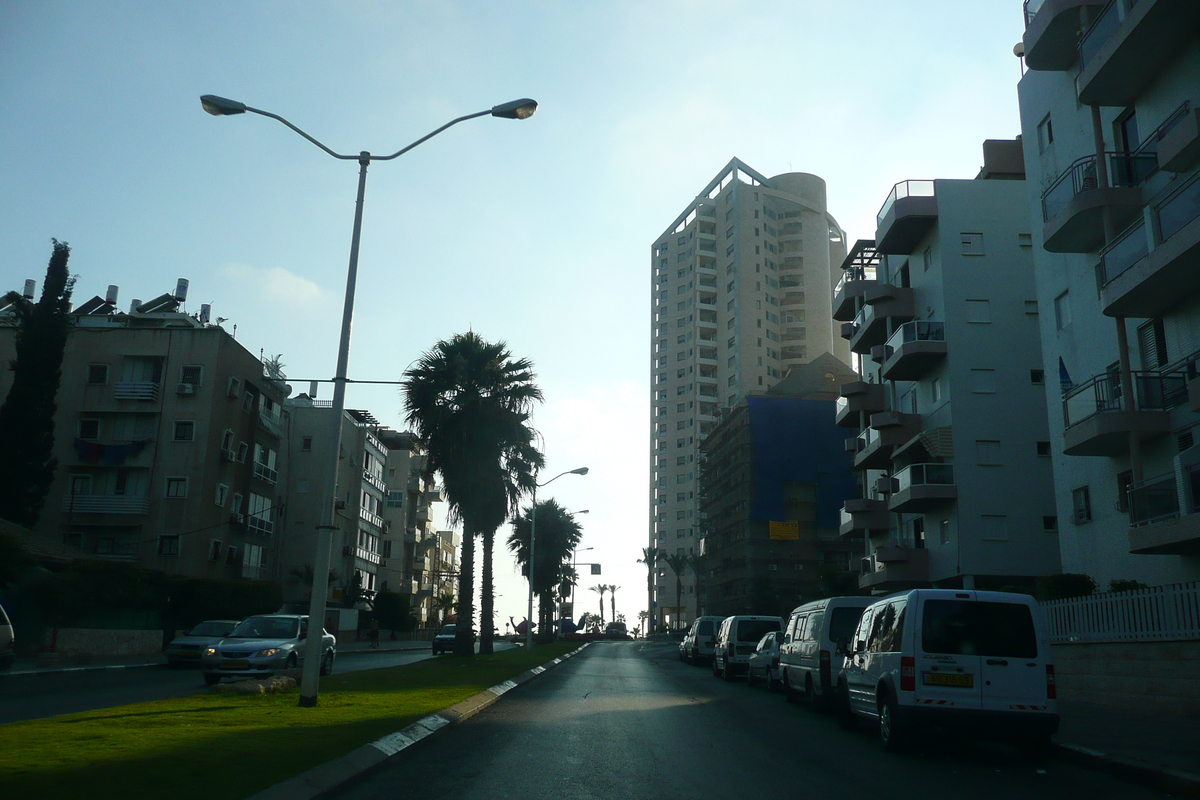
<point x="699" y="644"/>
<point x="736" y="640"/>
<point x="808" y="660"/>
<point x="951" y="659"/>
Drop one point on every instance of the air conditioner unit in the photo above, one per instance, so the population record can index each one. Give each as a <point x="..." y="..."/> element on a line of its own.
<point x="185" y="388"/>
<point x="228" y="456"/>
<point x="883" y="485"/>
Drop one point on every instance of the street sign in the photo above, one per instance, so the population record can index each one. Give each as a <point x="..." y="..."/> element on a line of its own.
<point x="568" y="609"/>
<point x="595" y="569"/>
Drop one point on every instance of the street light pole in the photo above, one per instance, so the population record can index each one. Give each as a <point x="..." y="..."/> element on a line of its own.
<point x="532" y="540"/>
<point x="219" y="107"/>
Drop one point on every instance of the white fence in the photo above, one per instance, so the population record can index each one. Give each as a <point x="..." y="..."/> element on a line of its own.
<point x="1153" y="614"/>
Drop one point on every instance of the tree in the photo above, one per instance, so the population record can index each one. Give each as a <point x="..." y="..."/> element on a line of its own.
<point x="612" y="601"/>
<point x="469" y="403"/>
<point x="304" y="576"/>
<point x="642" y="616"/>
<point x="601" y="589"/>
<point x="27" y="415"/>
<point x="650" y="556"/>
<point x="678" y="563"/>
<point x="558" y="535"/>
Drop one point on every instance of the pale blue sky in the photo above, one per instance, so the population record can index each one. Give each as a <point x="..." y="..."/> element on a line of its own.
<point x="535" y="232"/>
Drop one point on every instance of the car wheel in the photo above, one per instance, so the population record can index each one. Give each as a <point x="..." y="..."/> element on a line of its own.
<point x="771" y="682"/>
<point x="291" y="661"/>
<point x="750" y="679"/>
<point x="716" y="672"/>
<point x="810" y="693"/>
<point x="211" y="678"/>
<point x="845" y="716"/>
<point x="789" y="694"/>
<point x="327" y="663"/>
<point x="892" y="734"/>
<point x="726" y="672"/>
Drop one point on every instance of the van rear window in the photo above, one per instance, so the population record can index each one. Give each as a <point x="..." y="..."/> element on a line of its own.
<point x="705" y="629"/>
<point x="976" y="628"/>
<point x="842" y="623"/>
<point x="751" y="630"/>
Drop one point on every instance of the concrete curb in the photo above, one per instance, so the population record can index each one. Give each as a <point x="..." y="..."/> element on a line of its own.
<point x="92" y="668"/>
<point x="339" y="772"/>
<point x="1177" y="782"/>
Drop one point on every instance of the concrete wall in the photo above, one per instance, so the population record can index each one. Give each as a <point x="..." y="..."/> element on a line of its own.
<point x="1155" y="677"/>
<point x="98" y="642"/>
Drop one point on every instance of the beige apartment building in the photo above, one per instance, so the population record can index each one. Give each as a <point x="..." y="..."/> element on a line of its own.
<point x="740" y="287"/>
<point x="170" y="439"/>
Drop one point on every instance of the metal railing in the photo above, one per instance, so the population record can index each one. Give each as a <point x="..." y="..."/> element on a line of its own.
<point x="1123" y="170"/>
<point x="1098" y="33"/>
<point x="259" y="525"/>
<point x="1178" y="209"/>
<point x="855" y="273"/>
<point x="923" y="475"/>
<point x="1122" y="253"/>
<point x="1031" y="7"/>
<point x="263" y="472"/>
<point x="136" y="390"/>
<point x="1155" y="613"/>
<point x="900" y="191"/>
<point x="105" y="504"/>
<point x="916" y="331"/>
<point x="1154" y="391"/>
<point x="1153" y="500"/>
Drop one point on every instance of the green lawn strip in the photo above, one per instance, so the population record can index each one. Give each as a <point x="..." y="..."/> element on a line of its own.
<point x="211" y="746"/>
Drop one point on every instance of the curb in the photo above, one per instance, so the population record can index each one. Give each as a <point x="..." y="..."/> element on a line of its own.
<point x="1177" y="782"/>
<point x="56" y="670"/>
<point x="339" y="772"/>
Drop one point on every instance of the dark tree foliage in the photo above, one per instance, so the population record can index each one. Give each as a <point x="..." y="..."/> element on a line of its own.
<point x="27" y="415"/>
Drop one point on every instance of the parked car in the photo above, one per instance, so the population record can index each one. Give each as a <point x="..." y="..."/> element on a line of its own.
<point x="736" y="640"/>
<point x="443" y="641"/>
<point x="968" y="661"/>
<point x="764" y="661"/>
<point x="699" y="643"/>
<point x="616" y="629"/>
<point x="7" y="641"/>
<point x="186" y="650"/>
<point x="261" y="645"/>
<point x="808" y="660"/>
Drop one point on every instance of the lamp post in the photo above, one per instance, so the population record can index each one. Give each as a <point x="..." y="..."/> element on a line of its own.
<point x="532" y="539"/>
<point x="575" y="563"/>
<point x="221" y="107"/>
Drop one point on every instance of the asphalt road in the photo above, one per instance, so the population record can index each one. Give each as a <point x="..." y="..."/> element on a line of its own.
<point x="626" y="721"/>
<point x="49" y="693"/>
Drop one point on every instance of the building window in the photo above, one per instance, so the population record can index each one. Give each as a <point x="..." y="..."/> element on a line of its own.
<point x="242" y="450"/>
<point x="1043" y="448"/>
<point x="97" y="374"/>
<point x="1062" y="311"/>
<point x="1025" y="240"/>
<point x="1037" y="377"/>
<point x="944" y="531"/>
<point x="1123" y="480"/>
<point x="177" y="487"/>
<point x="89" y="429"/>
<point x="185" y="430"/>
<point x="972" y="244"/>
<point x="1050" y="523"/>
<point x="168" y="545"/>
<point x="1081" y="505"/>
<point x="191" y="373"/>
<point x="1045" y="133"/>
<point x="222" y="494"/>
<point x="1031" y="307"/>
<point x="935" y="390"/>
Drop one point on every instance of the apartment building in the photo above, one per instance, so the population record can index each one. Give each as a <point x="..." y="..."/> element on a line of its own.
<point x="170" y="439"/>
<point x="739" y="282"/>
<point x="953" y="445"/>
<point x="1110" y="118"/>
<point x="774" y="476"/>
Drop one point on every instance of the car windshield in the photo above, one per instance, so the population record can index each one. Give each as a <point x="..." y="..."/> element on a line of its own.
<point x="751" y="630"/>
<point x="211" y="628"/>
<point x="842" y="623"/>
<point x="978" y="628"/>
<point x="267" y="628"/>
<point x="447" y="630"/>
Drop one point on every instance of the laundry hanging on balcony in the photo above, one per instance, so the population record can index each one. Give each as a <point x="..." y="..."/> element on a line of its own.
<point x="108" y="454"/>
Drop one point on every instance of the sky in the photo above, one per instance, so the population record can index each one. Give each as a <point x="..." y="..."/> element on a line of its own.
<point x="536" y="232"/>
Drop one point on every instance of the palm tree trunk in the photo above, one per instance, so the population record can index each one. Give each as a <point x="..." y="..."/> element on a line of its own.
<point x="612" y="602"/>
<point x="678" y="600"/>
<point x="486" y="597"/>
<point x="464" y="641"/>
<point x="651" y="617"/>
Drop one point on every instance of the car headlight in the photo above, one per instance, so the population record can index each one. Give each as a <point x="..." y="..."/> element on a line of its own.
<point x="270" y="651"/>
<point x="211" y="651"/>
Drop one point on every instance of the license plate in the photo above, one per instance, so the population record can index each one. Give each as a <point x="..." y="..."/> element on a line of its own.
<point x="946" y="679"/>
<point x="235" y="665"/>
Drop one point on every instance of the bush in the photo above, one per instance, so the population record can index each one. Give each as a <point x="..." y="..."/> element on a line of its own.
<point x="394" y="611"/>
<point x="1123" y="585"/>
<point x="1064" y="585"/>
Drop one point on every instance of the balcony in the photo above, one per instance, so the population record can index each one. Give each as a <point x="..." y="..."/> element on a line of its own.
<point x="1129" y="44"/>
<point x="371" y="519"/>
<point x="259" y="525"/>
<point x="1099" y="421"/>
<point x="884" y="302"/>
<point x="105" y="504"/>
<point x="859" y="270"/>
<point x="858" y="397"/>
<point x="923" y="487"/>
<point x="271" y="424"/>
<point x="906" y="216"/>
<point x="374" y="480"/>
<point x="1179" y="140"/>
<point x="1156" y="526"/>
<point x="913" y="349"/>
<point x="364" y="554"/>
<point x="1073" y="205"/>
<point x="894" y="567"/>
<point x="265" y="473"/>
<point x="144" y="391"/>
<point x="434" y="494"/>
<point x="1140" y="282"/>
<point x="889" y="430"/>
<point x="864" y="516"/>
<point x="1052" y="32"/>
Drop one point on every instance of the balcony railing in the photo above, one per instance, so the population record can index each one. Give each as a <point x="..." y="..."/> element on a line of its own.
<point x="1123" y="252"/>
<point x="1177" y="210"/>
<point x="265" y="473"/>
<point x="855" y="274"/>
<point x="1124" y="170"/>
<point x="373" y="519"/>
<point x="136" y="390"/>
<point x="374" y="480"/>
<point x="1098" y="32"/>
<point x="366" y="555"/>
<point x="902" y="190"/>
<point x="271" y="424"/>
<point x="1156" y="499"/>
<point x="1155" y="391"/>
<point x="105" y="504"/>
<point x="259" y="525"/>
<point x="923" y="475"/>
<point x="917" y="331"/>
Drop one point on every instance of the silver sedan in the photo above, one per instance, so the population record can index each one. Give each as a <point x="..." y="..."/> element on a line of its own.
<point x="262" y="645"/>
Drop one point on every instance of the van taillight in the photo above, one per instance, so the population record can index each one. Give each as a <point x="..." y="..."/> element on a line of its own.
<point x="1051" y="688"/>
<point x="824" y="667"/>
<point x="908" y="674"/>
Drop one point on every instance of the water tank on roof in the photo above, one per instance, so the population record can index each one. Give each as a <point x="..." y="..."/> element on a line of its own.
<point x="181" y="288"/>
<point x="133" y="307"/>
<point x="111" y="295"/>
<point x="205" y="311"/>
<point x="30" y="288"/>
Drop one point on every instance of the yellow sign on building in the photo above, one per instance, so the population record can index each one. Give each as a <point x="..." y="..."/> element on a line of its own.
<point x="789" y="530"/>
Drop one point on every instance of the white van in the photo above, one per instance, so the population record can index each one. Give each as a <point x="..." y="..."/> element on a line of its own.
<point x="699" y="644"/>
<point x="808" y="654"/>
<point x="952" y="659"/>
<point x="736" y="640"/>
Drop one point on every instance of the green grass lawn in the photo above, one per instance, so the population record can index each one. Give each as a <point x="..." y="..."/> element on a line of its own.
<point x="213" y="746"/>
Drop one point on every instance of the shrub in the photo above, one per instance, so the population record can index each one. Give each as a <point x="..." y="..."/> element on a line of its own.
<point x="1064" y="585"/>
<point x="1123" y="585"/>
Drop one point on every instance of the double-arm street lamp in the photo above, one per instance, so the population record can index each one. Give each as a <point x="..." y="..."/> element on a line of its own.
<point x="532" y="539"/>
<point x="221" y="107"/>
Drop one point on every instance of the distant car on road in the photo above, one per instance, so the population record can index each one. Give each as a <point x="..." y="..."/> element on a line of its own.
<point x="699" y="645"/>
<point x="261" y="645"/>
<point x="737" y="639"/>
<point x="186" y="650"/>
<point x="443" y="642"/>
<point x="764" y="661"/>
<point x="616" y="629"/>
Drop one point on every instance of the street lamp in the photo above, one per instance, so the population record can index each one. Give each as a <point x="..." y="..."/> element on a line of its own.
<point x="221" y="107"/>
<point x="575" y="563"/>
<point x="532" y="539"/>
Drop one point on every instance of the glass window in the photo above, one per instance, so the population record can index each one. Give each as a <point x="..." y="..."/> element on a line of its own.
<point x="966" y="627"/>
<point x="185" y="430"/>
<point x="97" y="373"/>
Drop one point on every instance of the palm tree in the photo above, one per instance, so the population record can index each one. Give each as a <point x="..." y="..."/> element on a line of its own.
<point x="469" y="403"/>
<point x="601" y="589"/>
<point x="650" y="556"/>
<point x="612" y="599"/>
<point x="678" y="563"/>
<point x="304" y="576"/>
<point x="558" y="534"/>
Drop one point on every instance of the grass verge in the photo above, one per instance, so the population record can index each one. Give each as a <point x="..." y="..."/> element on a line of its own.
<point x="209" y="746"/>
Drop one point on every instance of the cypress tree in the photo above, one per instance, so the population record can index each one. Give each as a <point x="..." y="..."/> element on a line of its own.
<point x="27" y="415"/>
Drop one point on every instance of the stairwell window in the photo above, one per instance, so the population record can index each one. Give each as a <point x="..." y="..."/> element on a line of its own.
<point x="1081" y="505"/>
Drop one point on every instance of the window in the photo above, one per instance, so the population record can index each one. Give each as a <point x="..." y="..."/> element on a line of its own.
<point x="222" y="494"/>
<point x="926" y="259"/>
<point x="972" y="244"/>
<point x="987" y="452"/>
<point x="1123" y="481"/>
<point x="1031" y="307"/>
<point x="97" y="373"/>
<point x="1037" y="377"/>
<point x="242" y="450"/>
<point x="1062" y="311"/>
<point x="1152" y="344"/>
<point x="89" y="429"/>
<point x="983" y="381"/>
<point x="979" y="311"/>
<point x="191" y="373"/>
<point x="1050" y="523"/>
<point x="168" y="545"/>
<point x="177" y="487"/>
<point x="944" y="531"/>
<point x="1045" y="133"/>
<point x="185" y="430"/>
<point x="1081" y="505"/>
<point x="935" y="390"/>
<point x="1043" y="448"/>
<point x="1025" y="240"/>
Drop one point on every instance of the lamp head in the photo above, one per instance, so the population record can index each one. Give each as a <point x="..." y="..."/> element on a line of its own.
<point x="221" y="106"/>
<point x="580" y="471"/>
<point x="515" y="109"/>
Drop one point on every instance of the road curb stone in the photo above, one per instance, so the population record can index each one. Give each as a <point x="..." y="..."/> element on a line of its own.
<point x="340" y="772"/>
<point x="1177" y="782"/>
